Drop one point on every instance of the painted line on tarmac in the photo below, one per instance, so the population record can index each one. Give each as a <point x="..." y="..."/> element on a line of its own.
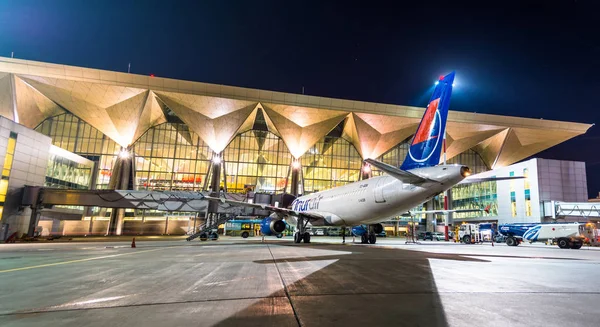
<point x="78" y="260"/>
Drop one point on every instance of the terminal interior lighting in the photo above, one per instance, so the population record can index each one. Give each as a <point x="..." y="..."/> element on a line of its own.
<point x="216" y="159"/>
<point x="366" y="168"/>
<point x="295" y="164"/>
<point x="124" y="154"/>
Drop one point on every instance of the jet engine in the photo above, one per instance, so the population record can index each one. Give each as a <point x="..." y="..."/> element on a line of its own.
<point x="270" y="226"/>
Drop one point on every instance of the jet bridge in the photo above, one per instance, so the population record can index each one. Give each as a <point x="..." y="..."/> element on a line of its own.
<point x="577" y="210"/>
<point x="39" y="198"/>
<point x="126" y="199"/>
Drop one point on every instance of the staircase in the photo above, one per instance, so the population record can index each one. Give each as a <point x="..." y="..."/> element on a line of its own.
<point x="208" y="229"/>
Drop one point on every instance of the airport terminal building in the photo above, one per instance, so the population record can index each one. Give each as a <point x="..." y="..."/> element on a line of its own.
<point x="113" y="130"/>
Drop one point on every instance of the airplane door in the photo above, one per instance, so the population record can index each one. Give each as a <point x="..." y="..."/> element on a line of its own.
<point x="379" y="190"/>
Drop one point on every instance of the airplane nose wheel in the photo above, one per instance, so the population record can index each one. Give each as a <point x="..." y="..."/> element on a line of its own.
<point x="302" y="234"/>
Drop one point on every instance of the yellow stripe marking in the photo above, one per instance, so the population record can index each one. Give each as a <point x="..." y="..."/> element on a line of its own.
<point x="78" y="260"/>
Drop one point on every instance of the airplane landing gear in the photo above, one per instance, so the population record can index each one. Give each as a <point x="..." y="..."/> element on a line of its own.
<point x="368" y="238"/>
<point x="364" y="239"/>
<point x="372" y="238"/>
<point x="301" y="234"/>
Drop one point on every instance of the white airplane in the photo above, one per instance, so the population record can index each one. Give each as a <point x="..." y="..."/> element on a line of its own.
<point x="374" y="200"/>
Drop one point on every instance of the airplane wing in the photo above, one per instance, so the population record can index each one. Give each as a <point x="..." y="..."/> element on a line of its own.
<point x="268" y="207"/>
<point x="445" y="212"/>
<point x="474" y="179"/>
<point x="402" y="175"/>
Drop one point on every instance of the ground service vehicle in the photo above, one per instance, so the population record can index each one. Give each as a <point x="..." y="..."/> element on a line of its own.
<point x="566" y="235"/>
<point x="476" y="233"/>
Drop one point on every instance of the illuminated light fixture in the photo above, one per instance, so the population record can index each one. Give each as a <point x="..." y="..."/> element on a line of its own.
<point x="124" y="154"/>
<point x="295" y="164"/>
<point x="436" y="83"/>
<point x="216" y="159"/>
<point x="366" y="168"/>
<point x="453" y="84"/>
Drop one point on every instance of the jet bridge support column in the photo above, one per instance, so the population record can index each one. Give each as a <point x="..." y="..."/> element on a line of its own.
<point x="121" y="179"/>
<point x="215" y="186"/>
<point x="366" y="172"/>
<point x="295" y="178"/>
<point x="448" y="218"/>
<point x="429" y="218"/>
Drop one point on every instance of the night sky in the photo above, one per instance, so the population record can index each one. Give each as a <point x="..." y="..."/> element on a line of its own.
<point x="530" y="59"/>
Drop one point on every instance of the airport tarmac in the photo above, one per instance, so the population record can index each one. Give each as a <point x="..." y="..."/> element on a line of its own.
<point x="245" y="282"/>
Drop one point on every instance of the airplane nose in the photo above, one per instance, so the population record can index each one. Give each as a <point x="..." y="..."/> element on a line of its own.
<point x="465" y="171"/>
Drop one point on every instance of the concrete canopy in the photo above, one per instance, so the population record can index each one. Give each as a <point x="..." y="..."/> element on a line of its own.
<point x="113" y="110"/>
<point x="301" y="127"/>
<point x="123" y="106"/>
<point x="215" y="120"/>
<point x="373" y="135"/>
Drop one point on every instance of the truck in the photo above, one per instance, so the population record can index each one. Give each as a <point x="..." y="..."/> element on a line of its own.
<point x="566" y="235"/>
<point x="476" y="233"/>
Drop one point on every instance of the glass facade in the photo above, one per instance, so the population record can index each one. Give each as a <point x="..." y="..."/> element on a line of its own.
<point x="73" y="134"/>
<point x="171" y="157"/>
<point x="332" y="162"/>
<point x="256" y="160"/>
<point x="63" y="172"/>
<point x="470" y="159"/>
<point x="395" y="156"/>
<point x="475" y="196"/>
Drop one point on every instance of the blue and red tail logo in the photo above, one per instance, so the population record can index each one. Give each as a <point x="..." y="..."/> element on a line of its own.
<point x="425" y="148"/>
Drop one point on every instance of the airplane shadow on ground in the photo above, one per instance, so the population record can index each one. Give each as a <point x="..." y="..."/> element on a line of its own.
<point x="368" y="286"/>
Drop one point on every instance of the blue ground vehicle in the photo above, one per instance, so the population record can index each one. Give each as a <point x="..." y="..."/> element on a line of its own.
<point x="566" y="235"/>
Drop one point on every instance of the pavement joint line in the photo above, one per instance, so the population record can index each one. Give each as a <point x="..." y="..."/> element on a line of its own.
<point x="78" y="260"/>
<point x="285" y="289"/>
<point x="138" y="305"/>
<point x="274" y="297"/>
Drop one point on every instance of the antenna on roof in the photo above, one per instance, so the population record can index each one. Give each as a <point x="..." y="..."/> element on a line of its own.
<point x="303" y="90"/>
<point x="129" y="68"/>
<point x="12" y="54"/>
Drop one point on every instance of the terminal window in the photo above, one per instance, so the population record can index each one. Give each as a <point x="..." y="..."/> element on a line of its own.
<point x="527" y="193"/>
<point x="513" y="196"/>
<point x="8" y="161"/>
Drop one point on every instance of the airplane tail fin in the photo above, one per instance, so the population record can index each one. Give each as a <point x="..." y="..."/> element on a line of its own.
<point x="426" y="146"/>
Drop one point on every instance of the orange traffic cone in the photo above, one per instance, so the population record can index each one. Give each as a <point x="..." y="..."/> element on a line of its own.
<point x="133" y="243"/>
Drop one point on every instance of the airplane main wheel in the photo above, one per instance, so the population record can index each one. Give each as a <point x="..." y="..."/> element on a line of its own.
<point x="297" y="238"/>
<point x="279" y="235"/>
<point x="306" y="237"/>
<point x="363" y="239"/>
<point x="372" y="238"/>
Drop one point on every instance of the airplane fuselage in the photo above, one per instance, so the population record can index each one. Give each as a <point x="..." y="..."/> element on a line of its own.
<point x="379" y="198"/>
